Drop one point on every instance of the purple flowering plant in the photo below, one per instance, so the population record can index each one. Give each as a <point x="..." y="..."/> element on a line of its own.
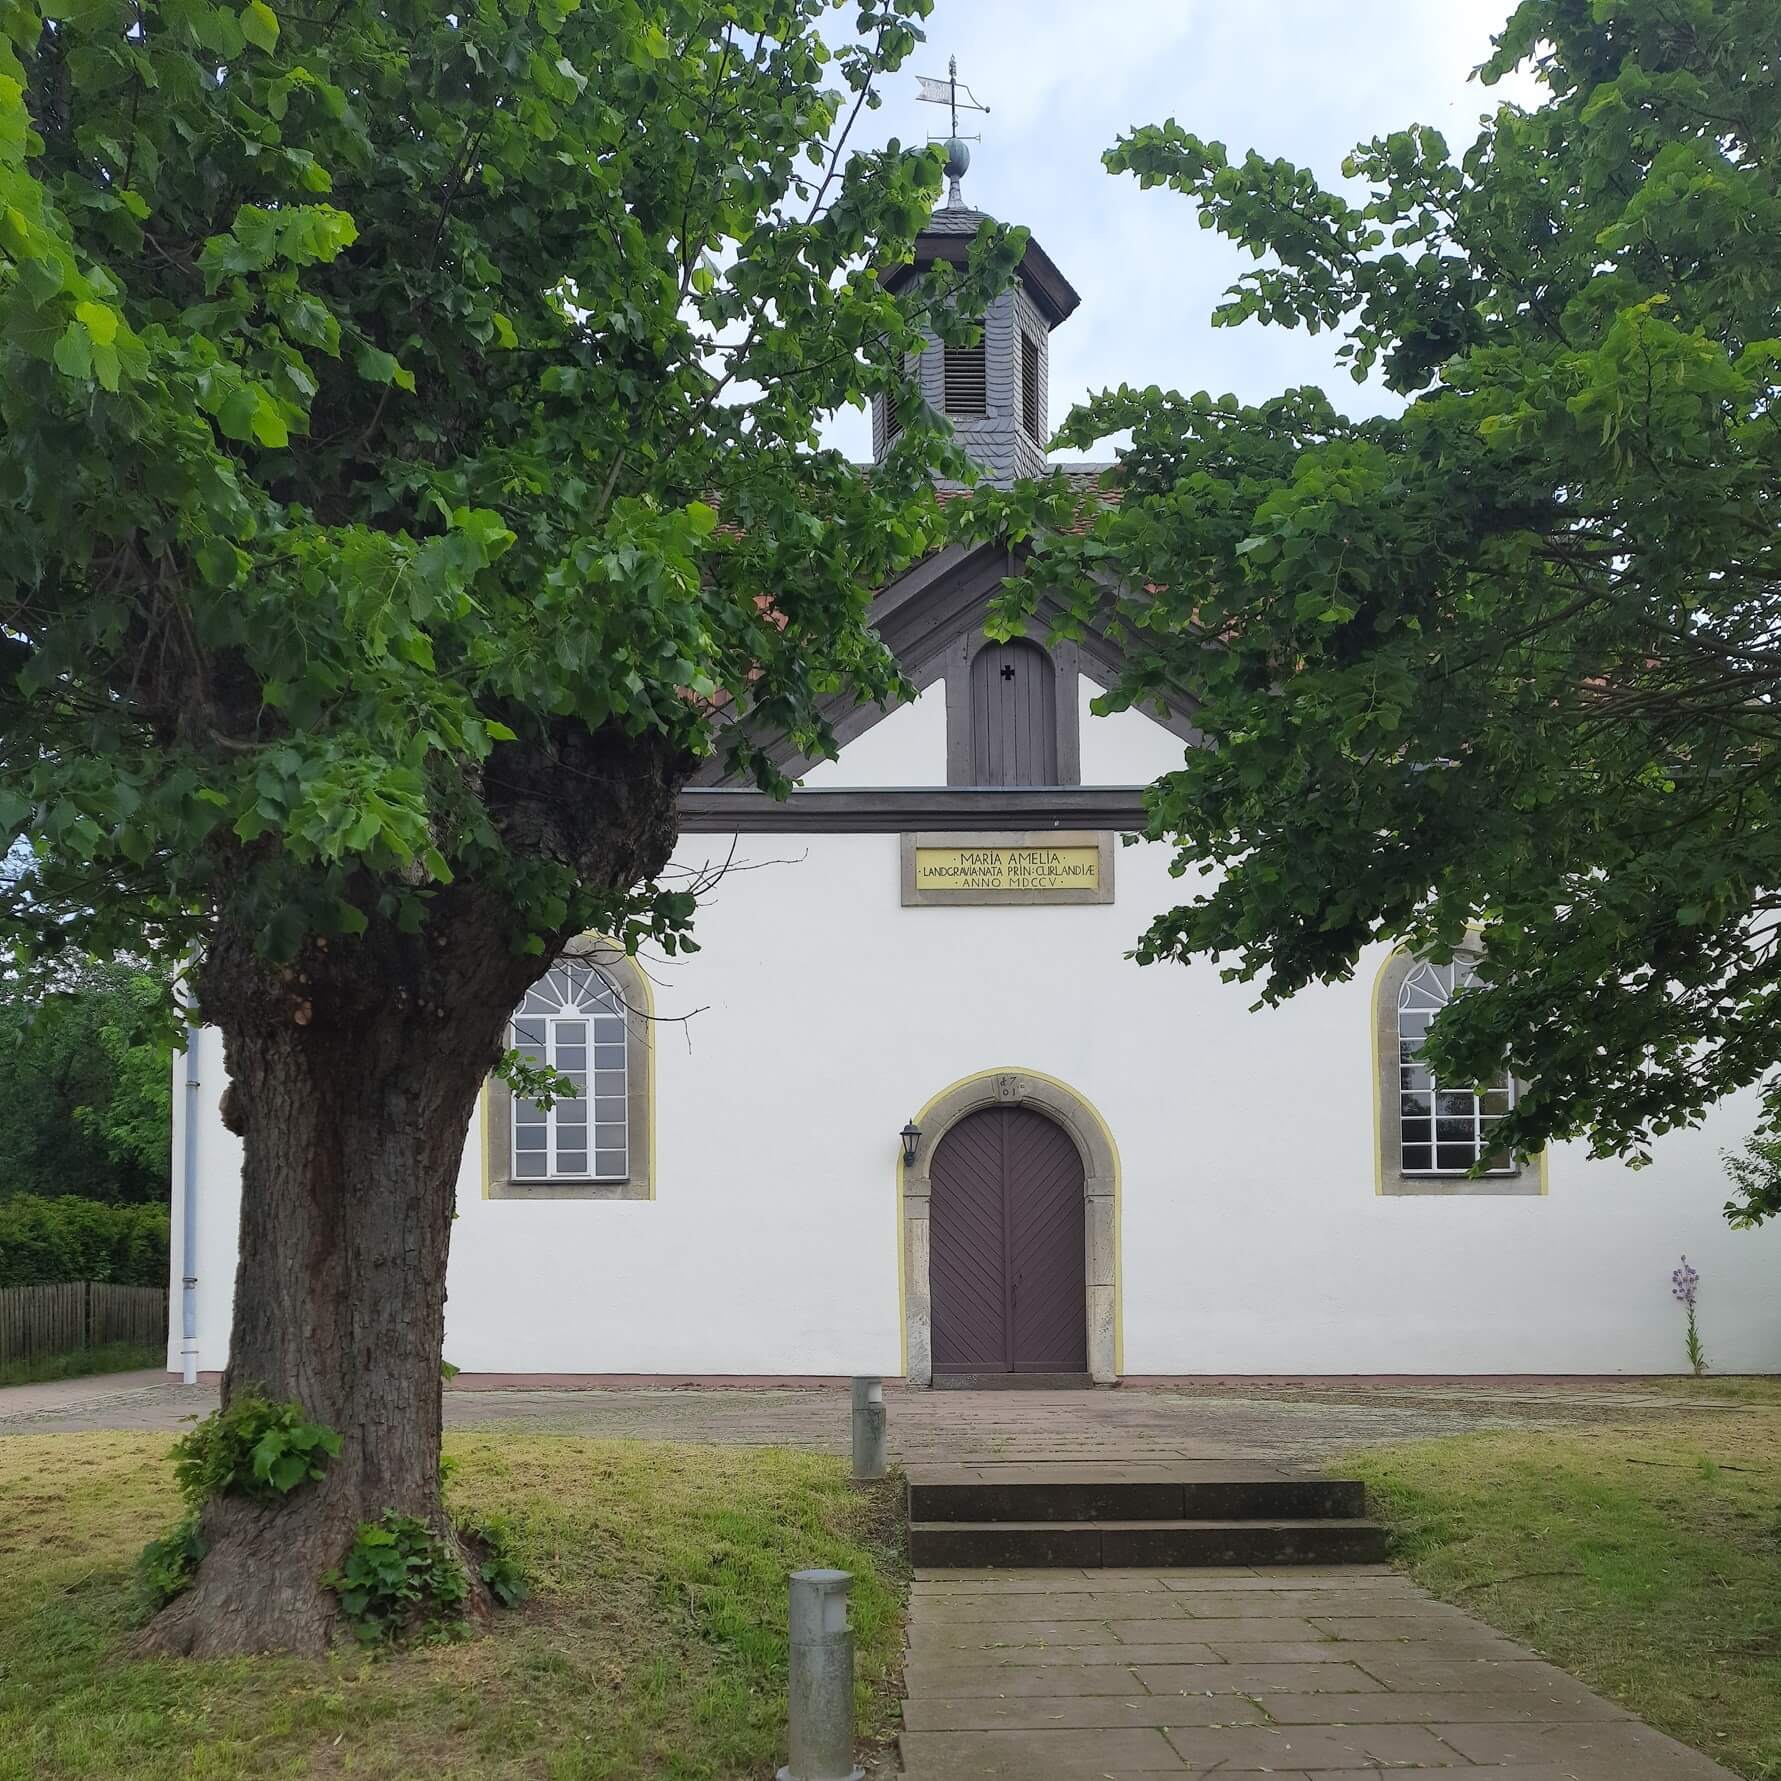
<point x="1684" y="1283"/>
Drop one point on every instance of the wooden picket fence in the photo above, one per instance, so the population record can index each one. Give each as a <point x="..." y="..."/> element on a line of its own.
<point x="62" y="1319"/>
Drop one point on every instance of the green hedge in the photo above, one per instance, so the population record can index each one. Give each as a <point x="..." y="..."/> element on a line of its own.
<point x="68" y="1238"/>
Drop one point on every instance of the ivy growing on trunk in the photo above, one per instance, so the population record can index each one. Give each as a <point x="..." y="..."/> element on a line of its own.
<point x="408" y="442"/>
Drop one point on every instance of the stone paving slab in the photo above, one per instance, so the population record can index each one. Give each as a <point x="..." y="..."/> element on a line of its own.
<point x="1449" y="1647"/>
<point x="1078" y="1712"/>
<point x="1332" y="1747"/>
<point x="1470" y="1676"/>
<point x="1256" y="1678"/>
<point x="1314" y="1604"/>
<point x="1227" y="1674"/>
<point x="962" y="1681"/>
<point x="957" y="1682"/>
<point x="1052" y="1656"/>
<point x="1549" y="1707"/>
<point x="1081" y="1604"/>
<point x="1222" y="1631"/>
<point x="925" y="1636"/>
<point x="1029" y="1755"/>
<point x="1628" y="1751"/>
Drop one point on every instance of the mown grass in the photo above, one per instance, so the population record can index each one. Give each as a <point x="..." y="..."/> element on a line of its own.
<point x="1645" y="1558"/>
<point x="108" y="1357"/>
<point x="654" y="1644"/>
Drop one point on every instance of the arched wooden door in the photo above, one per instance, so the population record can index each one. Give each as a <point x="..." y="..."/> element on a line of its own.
<point x="1006" y="1233"/>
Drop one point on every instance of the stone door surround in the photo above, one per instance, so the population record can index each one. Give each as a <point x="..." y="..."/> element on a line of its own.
<point x="1100" y="1189"/>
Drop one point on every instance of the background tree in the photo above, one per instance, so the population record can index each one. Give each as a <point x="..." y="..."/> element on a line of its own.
<point x="372" y="380"/>
<point x="1507" y="659"/>
<point x="86" y="1095"/>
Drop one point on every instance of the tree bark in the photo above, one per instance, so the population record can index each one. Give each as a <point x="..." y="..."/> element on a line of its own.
<point x="353" y="1075"/>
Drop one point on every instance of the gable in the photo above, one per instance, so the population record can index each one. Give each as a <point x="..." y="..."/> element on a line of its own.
<point x="932" y="620"/>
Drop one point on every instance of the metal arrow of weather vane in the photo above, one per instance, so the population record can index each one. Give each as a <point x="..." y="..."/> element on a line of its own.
<point x="946" y="92"/>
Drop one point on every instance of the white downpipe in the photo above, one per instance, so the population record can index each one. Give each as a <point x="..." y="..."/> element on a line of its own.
<point x="188" y="1346"/>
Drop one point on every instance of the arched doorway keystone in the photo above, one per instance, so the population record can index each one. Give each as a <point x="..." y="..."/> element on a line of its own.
<point x="1100" y="1190"/>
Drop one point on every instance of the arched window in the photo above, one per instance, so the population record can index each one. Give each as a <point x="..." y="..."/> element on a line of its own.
<point x="587" y="1019"/>
<point x="1444" y="1131"/>
<point x="573" y="1021"/>
<point x="1432" y="1133"/>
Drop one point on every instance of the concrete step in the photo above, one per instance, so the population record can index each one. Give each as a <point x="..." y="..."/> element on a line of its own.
<point x="1169" y="1541"/>
<point x="1139" y="1493"/>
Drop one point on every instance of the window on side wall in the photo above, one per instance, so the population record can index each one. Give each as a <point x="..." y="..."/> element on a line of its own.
<point x="587" y="1020"/>
<point x="1433" y="1133"/>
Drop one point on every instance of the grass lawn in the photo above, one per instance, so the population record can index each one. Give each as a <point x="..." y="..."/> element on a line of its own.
<point x="109" y="1357"/>
<point x="653" y="1645"/>
<point x="1645" y="1559"/>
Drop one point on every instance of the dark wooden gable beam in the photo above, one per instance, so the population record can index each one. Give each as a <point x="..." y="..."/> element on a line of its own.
<point x="877" y="810"/>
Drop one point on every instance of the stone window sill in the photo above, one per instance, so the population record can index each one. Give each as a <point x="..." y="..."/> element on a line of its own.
<point x="1522" y="1181"/>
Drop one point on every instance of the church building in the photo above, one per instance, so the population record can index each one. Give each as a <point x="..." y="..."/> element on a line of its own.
<point x="911" y="1111"/>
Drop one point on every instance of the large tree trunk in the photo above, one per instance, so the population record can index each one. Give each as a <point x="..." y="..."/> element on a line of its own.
<point x="353" y="1076"/>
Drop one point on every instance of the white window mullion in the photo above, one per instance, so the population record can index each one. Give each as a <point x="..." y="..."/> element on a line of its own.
<point x="550" y="1117"/>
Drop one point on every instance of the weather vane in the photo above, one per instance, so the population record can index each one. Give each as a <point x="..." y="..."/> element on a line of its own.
<point x="946" y="92"/>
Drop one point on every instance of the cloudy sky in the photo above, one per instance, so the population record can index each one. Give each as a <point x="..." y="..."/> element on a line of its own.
<point x="1303" y="79"/>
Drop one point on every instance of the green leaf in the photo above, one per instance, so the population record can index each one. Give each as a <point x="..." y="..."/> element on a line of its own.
<point x="240" y="410"/>
<point x="101" y="323"/>
<point x="288" y="1471"/>
<point x="74" y="352"/>
<point x="268" y="424"/>
<point x="259" y="25"/>
<point x="220" y="563"/>
<point x="377" y="366"/>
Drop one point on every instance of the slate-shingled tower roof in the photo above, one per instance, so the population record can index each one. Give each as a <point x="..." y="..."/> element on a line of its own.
<point x="997" y="395"/>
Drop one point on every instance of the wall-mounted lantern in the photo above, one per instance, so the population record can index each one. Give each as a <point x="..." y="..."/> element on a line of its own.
<point x="911" y="1138"/>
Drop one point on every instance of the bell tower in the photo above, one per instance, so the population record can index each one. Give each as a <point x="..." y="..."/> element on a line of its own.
<point x="996" y="394"/>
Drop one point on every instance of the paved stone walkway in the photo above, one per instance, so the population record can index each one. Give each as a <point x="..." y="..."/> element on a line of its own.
<point x="1300" y="1425"/>
<point x="1297" y="1674"/>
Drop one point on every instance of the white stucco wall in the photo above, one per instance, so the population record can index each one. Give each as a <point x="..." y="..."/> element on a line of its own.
<point x="823" y="1014"/>
<point x="905" y="747"/>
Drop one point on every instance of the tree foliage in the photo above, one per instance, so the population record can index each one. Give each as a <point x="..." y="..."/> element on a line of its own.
<point x="372" y="378"/>
<point x="1506" y="661"/>
<point x="85" y="1090"/>
<point x="409" y="463"/>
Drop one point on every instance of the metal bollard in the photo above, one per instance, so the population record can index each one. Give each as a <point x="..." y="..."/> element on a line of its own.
<point x="868" y="1428"/>
<point x="820" y="1694"/>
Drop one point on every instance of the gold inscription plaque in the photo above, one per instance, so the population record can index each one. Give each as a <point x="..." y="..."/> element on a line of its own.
<point x="1012" y="869"/>
<point x="945" y="868"/>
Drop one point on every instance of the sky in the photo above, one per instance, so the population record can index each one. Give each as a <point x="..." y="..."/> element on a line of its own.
<point x="1301" y="79"/>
